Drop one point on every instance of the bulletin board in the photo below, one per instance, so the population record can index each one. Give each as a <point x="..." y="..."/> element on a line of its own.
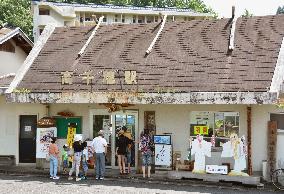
<point x="163" y="155"/>
<point x="62" y="124"/>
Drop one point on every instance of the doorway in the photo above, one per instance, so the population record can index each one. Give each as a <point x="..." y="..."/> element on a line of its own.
<point x="111" y="123"/>
<point x="27" y="139"/>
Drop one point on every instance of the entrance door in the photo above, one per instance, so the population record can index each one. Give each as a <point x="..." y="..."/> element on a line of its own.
<point x="129" y="119"/>
<point x="111" y="123"/>
<point x="27" y="140"/>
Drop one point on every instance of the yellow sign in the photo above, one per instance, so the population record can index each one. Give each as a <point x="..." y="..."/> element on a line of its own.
<point x="70" y="136"/>
<point x="201" y="130"/>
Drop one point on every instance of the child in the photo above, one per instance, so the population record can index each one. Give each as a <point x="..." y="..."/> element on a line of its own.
<point x="85" y="161"/>
<point x="65" y="158"/>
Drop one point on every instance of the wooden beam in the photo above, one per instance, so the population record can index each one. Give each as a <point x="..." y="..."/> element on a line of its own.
<point x="249" y="140"/>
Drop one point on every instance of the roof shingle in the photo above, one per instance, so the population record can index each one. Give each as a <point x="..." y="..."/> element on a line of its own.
<point x="188" y="56"/>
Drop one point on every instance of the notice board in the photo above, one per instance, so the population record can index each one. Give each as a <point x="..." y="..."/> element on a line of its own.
<point x="62" y="124"/>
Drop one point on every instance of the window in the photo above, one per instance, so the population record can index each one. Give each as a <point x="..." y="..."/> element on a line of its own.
<point x="44" y="11"/>
<point x="141" y="19"/>
<point x="7" y="47"/>
<point x="105" y="19"/>
<point x="220" y="124"/>
<point x="122" y="18"/>
<point x="116" y="18"/>
<point x="150" y="19"/>
<point x="156" y="18"/>
<point x="134" y="19"/>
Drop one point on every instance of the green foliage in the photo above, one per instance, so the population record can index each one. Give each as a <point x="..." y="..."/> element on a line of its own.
<point x="247" y="14"/>
<point x="280" y="10"/>
<point x="17" y="13"/>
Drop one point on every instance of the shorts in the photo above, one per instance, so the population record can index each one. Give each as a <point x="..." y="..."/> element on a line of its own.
<point x="146" y="159"/>
<point x="85" y="166"/>
<point x="65" y="163"/>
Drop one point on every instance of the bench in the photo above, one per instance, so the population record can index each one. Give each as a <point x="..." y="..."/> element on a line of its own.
<point x="7" y="160"/>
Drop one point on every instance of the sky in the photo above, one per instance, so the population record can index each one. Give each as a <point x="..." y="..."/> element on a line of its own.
<point x="256" y="7"/>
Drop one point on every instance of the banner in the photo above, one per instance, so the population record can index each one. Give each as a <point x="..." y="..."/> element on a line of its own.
<point x="70" y="136"/>
<point x="43" y="140"/>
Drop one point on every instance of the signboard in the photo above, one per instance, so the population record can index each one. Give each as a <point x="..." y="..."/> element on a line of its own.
<point x="162" y="139"/>
<point x="215" y="169"/>
<point x="70" y="136"/>
<point x="201" y="130"/>
<point x="163" y="155"/>
<point x="44" y="136"/>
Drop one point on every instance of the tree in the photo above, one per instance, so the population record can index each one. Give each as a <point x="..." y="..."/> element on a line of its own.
<point x="247" y="14"/>
<point x="17" y="13"/>
<point x="280" y="10"/>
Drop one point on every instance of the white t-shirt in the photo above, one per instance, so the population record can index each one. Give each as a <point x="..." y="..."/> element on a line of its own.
<point x="85" y="152"/>
<point x="99" y="144"/>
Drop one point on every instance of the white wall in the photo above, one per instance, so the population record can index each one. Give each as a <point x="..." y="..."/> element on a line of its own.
<point x="11" y="62"/>
<point x="169" y="118"/>
<point x="176" y="119"/>
<point x="260" y="118"/>
<point x="10" y="124"/>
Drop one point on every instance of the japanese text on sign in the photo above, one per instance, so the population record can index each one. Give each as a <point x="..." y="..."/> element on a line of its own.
<point x="70" y="136"/>
<point x="201" y="130"/>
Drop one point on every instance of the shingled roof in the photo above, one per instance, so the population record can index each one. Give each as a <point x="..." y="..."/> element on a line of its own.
<point x="189" y="57"/>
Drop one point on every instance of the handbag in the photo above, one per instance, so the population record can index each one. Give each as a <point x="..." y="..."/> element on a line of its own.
<point x="47" y="157"/>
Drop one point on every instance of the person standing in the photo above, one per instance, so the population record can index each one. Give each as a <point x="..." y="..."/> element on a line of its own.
<point x="99" y="145"/>
<point x="54" y="154"/>
<point x="121" y="146"/>
<point x="78" y="148"/>
<point x="128" y="135"/>
<point x="145" y="146"/>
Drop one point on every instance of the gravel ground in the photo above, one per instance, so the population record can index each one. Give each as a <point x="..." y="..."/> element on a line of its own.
<point x="40" y="184"/>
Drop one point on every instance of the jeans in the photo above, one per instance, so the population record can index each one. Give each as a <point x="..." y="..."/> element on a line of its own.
<point x="100" y="165"/>
<point x="76" y="163"/>
<point x="53" y="166"/>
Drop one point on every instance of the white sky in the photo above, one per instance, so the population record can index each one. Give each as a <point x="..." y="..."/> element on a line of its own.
<point x="256" y="7"/>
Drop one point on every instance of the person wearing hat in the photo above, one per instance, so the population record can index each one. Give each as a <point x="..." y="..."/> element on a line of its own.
<point x="128" y="135"/>
<point x="121" y="146"/>
<point x="78" y="148"/>
<point x="99" y="145"/>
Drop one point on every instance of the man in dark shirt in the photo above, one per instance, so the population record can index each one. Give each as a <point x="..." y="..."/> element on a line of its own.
<point x="78" y="148"/>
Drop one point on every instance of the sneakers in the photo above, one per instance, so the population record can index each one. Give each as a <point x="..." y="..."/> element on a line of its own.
<point x="55" y="178"/>
<point x="51" y="177"/>
<point x="70" y="178"/>
<point x="78" y="179"/>
<point x="97" y="178"/>
<point x="101" y="178"/>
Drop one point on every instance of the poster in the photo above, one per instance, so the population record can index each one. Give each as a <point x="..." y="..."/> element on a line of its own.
<point x="70" y="136"/>
<point x="107" y="130"/>
<point x="43" y="140"/>
<point x="163" y="155"/>
<point x="162" y="139"/>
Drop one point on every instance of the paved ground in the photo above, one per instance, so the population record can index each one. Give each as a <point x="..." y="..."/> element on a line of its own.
<point x="40" y="184"/>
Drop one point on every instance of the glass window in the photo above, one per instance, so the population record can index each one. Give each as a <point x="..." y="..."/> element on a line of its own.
<point x="220" y="124"/>
<point x="44" y="11"/>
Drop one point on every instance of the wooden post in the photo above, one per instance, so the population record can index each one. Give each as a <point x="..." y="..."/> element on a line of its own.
<point x="271" y="147"/>
<point x="249" y="140"/>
